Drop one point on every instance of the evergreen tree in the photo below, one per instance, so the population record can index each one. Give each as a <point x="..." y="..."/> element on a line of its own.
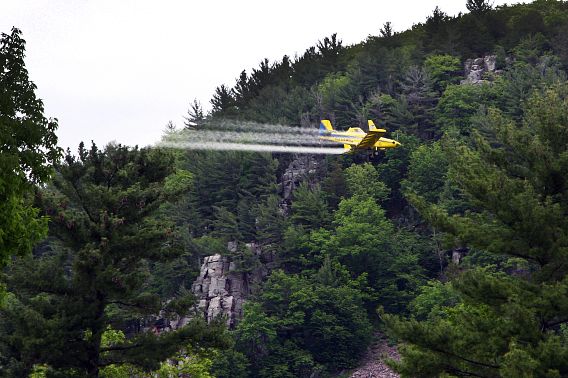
<point x="246" y="218"/>
<point x="195" y="116"/>
<point x="270" y="224"/>
<point x="308" y="207"/>
<point x="225" y="225"/>
<point x="363" y="180"/>
<point x="437" y="31"/>
<point x="421" y="99"/>
<point x="507" y="324"/>
<point x="386" y="30"/>
<point x="478" y="6"/>
<point x="443" y="69"/>
<point x="366" y="242"/>
<point x="103" y="236"/>
<point x="262" y="76"/>
<point x="330" y="50"/>
<point x="334" y="185"/>
<point x="223" y="102"/>
<point x="427" y="172"/>
<point x="244" y="90"/>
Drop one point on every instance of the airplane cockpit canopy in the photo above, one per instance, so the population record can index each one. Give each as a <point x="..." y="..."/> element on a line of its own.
<point x="355" y="130"/>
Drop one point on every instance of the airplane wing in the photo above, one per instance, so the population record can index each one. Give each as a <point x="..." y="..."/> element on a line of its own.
<point x="370" y="139"/>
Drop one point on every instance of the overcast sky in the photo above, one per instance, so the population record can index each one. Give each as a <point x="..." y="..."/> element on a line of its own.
<point x="121" y="69"/>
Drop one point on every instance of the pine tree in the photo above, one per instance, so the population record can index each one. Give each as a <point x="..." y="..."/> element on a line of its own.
<point x="195" y="116"/>
<point x="244" y="91"/>
<point x="309" y="208"/>
<point x="334" y="185"/>
<point x="223" y="102"/>
<point x="417" y="88"/>
<point x="103" y="237"/>
<point x="270" y="224"/>
<point x="478" y="6"/>
<point x="386" y="30"/>
<point x="507" y="323"/>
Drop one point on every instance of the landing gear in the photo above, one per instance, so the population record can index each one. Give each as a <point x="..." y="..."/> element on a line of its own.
<point x="375" y="154"/>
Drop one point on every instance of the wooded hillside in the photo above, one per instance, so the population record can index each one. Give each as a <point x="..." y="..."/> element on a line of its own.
<point x="455" y="245"/>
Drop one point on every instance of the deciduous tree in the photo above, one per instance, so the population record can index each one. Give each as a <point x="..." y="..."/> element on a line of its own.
<point x="28" y="149"/>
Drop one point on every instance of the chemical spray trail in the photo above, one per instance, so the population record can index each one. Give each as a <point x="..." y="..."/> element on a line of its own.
<point x="248" y="136"/>
<point x="213" y="146"/>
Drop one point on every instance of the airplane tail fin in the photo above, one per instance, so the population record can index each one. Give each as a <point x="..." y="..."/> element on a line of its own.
<point x="372" y="126"/>
<point x="325" y="127"/>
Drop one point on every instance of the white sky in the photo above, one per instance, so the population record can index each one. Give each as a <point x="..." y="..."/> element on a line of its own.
<point x="121" y="69"/>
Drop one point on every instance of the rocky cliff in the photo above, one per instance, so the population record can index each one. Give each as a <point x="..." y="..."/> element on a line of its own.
<point x="220" y="289"/>
<point x="303" y="168"/>
<point x="480" y="70"/>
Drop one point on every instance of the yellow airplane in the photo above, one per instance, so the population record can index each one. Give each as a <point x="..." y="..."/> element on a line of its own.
<point x="355" y="139"/>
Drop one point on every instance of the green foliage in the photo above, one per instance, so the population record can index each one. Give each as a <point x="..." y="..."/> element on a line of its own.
<point x="104" y="235"/>
<point x="334" y="185"/>
<point x="226" y="187"/>
<point x="393" y="168"/>
<point x="513" y="180"/>
<point x="230" y="364"/>
<point x="28" y="149"/>
<point x="427" y="172"/>
<point x="478" y="6"/>
<point x="330" y="92"/>
<point x="519" y="83"/>
<point x="193" y="362"/>
<point x="363" y="180"/>
<point x="420" y="99"/>
<point x="435" y="300"/>
<point x="367" y="244"/>
<point x="309" y="208"/>
<point x="177" y="183"/>
<point x="459" y="103"/>
<point x="494" y="183"/>
<point x="444" y="70"/>
<point x="270" y="223"/>
<point x="301" y="324"/>
<point x="196" y="365"/>
<point x="225" y="225"/>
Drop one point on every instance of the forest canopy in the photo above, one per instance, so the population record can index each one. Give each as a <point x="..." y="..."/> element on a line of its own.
<point x="453" y="247"/>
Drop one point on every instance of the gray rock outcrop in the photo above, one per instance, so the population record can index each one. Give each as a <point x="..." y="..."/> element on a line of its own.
<point x="303" y="168"/>
<point x="220" y="289"/>
<point x="477" y="71"/>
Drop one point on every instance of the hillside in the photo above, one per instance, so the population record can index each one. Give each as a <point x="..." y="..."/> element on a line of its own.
<point x="242" y="264"/>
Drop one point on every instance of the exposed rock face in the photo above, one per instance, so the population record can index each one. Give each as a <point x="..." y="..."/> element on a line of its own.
<point x="220" y="290"/>
<point x="458" y="254"/>
<point x="477" y="70"/>
<point x="304" y="168"/>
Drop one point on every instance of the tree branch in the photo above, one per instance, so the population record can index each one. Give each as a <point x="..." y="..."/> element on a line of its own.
<point x="464" y="359"/>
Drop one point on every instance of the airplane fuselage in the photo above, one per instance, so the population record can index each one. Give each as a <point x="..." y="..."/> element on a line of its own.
<point x="354" y="136"/>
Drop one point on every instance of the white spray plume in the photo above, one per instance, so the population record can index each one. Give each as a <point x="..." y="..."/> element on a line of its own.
<point x="215" y="146"/>
<point x="248" y="136"/>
